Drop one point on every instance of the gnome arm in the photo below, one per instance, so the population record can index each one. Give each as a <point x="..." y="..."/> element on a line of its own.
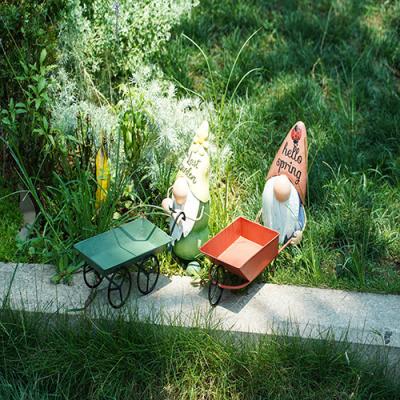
<point x="296" y="238"/>
<point x="167" y="204"/>
<point x="298" y="235"/>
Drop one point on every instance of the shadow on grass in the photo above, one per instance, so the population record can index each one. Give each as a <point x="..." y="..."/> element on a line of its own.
<point x="331" y="64"/>
<point x="334" y="65"/>
<point x="55" y="356"/>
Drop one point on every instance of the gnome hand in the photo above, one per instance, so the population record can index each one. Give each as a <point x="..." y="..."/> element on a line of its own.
<point x="296" y="239"/>
<point x="167" y="205"/>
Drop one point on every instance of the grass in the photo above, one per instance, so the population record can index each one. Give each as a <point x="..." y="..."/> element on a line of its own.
<point x="45" y="357"/>
<point x="10" y="224"/>
<point x="334" y="65"/>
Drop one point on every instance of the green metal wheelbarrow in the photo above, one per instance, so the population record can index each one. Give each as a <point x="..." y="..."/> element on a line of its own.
<point x="112" y="254"/>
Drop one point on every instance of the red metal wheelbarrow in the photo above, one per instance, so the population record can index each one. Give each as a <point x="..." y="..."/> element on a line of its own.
<point x="244" y="248"/>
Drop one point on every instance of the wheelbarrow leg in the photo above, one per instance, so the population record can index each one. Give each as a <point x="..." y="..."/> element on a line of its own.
<point x="119" y="287"/>
<point x="90" y="299"/>
<point x="148" y="273"/>
<point x="214" y="290"/>
<point x="91" y="277"/>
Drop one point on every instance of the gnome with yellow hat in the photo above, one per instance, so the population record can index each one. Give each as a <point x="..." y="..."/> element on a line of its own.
<point x="189" y="205"/>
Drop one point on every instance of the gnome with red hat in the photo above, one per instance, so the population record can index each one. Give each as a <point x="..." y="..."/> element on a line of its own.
<point x="285" y="190"/>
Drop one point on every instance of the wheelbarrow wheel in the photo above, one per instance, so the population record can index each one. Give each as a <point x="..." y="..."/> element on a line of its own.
<point x="147" y="276"/>
<point x="214" y="290"/>
<point x="91" y="277"/>
<point x="119" y="288"/>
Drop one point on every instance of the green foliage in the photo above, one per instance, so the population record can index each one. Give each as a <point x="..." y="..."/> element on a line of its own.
<point x="51" y="357"/>
<point x="10" y="224"/>
<point x="35" y="79"/>
<point x="26" y="28"/>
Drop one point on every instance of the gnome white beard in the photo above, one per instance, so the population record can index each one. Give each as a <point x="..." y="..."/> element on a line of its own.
<point x="282" y="217"/>
<point x="190" y="208"/>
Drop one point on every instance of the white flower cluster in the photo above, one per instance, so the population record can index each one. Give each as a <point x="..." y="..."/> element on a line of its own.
<point x="66" y="107"/>
<point x="174" y="120"/>
<point x="120" y="35"/>
<point x="65" y="110"/>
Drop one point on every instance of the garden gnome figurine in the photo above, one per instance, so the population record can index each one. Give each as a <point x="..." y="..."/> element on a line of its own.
<point x="190" y="203"/>
<point x="285" y="190"/>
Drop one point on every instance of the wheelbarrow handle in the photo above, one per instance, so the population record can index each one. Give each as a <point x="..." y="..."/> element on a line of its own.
<point x="284" y="246"/>
<point x="173" y="210"/>
<point x="180" y="214"/>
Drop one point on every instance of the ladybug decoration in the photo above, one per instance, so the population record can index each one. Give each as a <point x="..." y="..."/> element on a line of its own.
<point x="296" y="134"/>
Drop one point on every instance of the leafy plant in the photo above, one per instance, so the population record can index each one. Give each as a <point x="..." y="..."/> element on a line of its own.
<point x="27" y="122"/>
<point x="134" y="126"/>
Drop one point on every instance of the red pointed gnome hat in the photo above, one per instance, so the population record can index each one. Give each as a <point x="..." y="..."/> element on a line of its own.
<point x="291" y="159"/>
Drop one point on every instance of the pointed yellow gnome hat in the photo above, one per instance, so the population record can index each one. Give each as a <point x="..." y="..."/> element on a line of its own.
<point x="196" y="166"/>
